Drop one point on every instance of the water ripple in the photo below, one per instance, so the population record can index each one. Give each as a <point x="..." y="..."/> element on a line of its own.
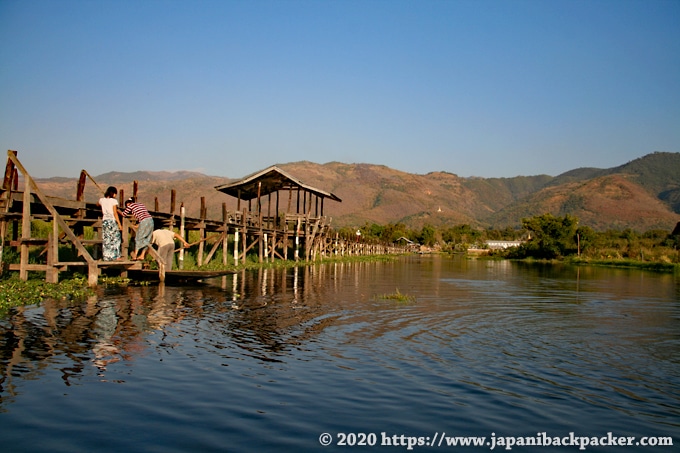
<point x="271" y="359"/>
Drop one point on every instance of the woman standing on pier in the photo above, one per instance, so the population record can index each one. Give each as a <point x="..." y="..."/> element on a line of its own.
<point x="111" y="226"/>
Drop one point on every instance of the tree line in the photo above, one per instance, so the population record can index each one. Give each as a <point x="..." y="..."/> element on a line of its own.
<point x="543" y="237"/>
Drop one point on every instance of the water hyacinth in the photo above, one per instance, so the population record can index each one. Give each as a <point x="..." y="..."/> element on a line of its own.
<point x="15" y="292"/>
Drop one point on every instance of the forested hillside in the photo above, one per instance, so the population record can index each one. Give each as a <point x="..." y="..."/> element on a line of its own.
<point x="642" y="194"/>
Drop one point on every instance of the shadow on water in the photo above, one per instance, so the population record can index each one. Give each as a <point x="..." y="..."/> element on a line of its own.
<point x="273" y="358"/>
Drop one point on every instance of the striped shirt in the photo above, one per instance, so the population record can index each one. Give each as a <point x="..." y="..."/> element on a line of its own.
<point x="138" y="210"/>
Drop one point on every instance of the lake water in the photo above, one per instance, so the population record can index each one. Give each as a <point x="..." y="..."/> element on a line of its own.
<point x="273" y="359"/>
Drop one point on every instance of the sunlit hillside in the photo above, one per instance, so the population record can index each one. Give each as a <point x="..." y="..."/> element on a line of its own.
<point x="642" y="194"/>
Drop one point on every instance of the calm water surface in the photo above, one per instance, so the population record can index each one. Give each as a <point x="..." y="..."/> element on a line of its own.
<point x="270" y="360"/>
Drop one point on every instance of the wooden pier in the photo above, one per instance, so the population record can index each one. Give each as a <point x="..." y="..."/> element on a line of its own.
<point x="284" y="219"/>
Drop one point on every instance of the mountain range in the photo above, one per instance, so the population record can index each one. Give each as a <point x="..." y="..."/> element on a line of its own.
<point x="642" y="194"/>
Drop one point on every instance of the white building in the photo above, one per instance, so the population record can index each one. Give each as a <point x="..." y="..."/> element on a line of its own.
<point x="498" y="245"/>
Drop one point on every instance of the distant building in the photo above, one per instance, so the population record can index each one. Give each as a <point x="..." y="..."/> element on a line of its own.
<point x="502" y="245"/>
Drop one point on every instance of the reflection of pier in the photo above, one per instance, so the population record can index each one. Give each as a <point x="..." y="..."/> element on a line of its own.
<point x="284" y="219"/>
<point x="263" y="313"/>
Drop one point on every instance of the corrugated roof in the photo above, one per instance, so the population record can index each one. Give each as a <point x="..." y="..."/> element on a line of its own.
<point x="272" y="179"/>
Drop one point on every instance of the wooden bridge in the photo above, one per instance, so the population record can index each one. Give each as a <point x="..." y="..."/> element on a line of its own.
<point x="300" y="229"/>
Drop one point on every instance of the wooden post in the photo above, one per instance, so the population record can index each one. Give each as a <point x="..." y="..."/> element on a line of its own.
<point x="236" y="246"/>
<point x="285" y="237"/>
<point x="93" y="272"/>
<point x="290" y="199"/>
<point x="273" y="249"/>
<point x="125" y="237"/>
<point x="269" y="211"/>
<point x="297" y="207"/>
<point x="245" y="236"/>
<point x="8" y="183"/>
<point x="201" y="230"/>
<point x="259" y="222"/>
<point x="162" y="265"/>
<point x="276" y="220"/>
<point x="225" y="240"/>
<point x="265" y="244"/>
<point x="3" y="232"/>
<point x="25" y="230"/>
<point x="51" y="274"/>
<point x="297" y="240"/>
<point x="180" y="264"/>
<point x="10" y="174"/>
<point x="81" y="185"/>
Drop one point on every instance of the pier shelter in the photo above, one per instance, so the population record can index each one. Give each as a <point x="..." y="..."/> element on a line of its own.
<point x="280" y="208"/>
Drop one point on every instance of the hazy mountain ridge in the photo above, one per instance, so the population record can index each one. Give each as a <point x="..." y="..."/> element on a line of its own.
<point x="642" y="194"/>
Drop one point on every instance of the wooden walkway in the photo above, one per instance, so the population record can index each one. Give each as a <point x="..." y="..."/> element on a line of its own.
<point x="284" y="236"/>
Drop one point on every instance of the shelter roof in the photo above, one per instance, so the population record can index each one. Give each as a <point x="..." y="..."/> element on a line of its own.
<point x="272" y="179"/>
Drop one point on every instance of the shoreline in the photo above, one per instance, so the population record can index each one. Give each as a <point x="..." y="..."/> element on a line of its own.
<point x="16" y="293"/>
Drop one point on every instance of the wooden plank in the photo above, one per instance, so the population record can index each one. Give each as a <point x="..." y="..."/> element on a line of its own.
<point x="214" y="248"/>
<point x="116" y="263"/>
<point x="162" y="267"/>
<point x="29" y="242"/>
<point x="28" y="267"/>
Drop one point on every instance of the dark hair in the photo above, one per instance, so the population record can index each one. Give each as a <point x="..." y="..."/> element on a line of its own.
<point x="110" y="192"/>
<point x="128" y="201"/>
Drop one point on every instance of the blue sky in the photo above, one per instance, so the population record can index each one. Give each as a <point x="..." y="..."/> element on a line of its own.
<point x="478" y="88"/>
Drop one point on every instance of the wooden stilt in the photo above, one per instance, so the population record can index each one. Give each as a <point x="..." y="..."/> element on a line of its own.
<point x="181" y="233"/>
<point x="236" y="239"/>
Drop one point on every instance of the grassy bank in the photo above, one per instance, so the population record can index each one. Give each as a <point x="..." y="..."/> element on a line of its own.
<point x="626" y="263"/>
<point x="654" y="266"/>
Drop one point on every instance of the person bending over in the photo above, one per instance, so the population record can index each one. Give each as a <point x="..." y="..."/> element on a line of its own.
<point x="144" y="227"/>
<point x="165" y="241"/>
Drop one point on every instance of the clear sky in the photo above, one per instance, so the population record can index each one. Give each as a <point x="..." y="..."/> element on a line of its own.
<point x="474" y="87"/>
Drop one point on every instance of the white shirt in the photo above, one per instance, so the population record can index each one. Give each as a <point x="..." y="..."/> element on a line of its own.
<point x="163" y="237"/>
<point x="108" y="205"/>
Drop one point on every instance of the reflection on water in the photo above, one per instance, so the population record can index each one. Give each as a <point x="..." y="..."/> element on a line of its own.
<point x="272" y="358"/>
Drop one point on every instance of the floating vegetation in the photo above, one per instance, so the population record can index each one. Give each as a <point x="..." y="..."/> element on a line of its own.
<point x="15" y="292"/>
<point x="117" y="281"/>
<point x="398" y="296"/>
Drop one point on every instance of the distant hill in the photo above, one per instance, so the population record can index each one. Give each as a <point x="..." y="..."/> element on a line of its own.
<point x="149" y="176"/>
<point x="659" y="173"/>
<point x="642" y="194"/>
<point x="610" y="201"/>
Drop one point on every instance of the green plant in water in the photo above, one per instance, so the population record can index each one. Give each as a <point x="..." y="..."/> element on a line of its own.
<point x="398" y="296"/>
<point x="15" y="292"/>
